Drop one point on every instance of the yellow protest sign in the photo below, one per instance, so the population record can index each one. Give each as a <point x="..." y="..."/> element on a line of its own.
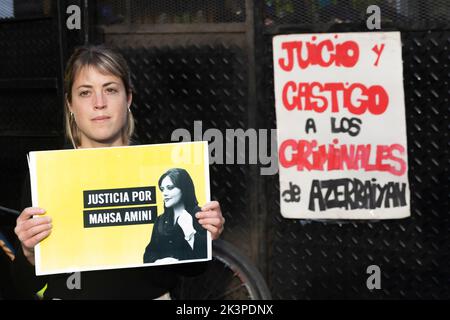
<point x="121" y="207"/>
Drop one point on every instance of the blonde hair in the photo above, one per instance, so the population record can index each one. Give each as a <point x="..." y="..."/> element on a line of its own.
<point x="107" y="61"/>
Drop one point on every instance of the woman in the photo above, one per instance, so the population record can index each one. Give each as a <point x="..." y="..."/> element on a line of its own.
<point x="97" y="111"/>
<point x="177" y="235"/>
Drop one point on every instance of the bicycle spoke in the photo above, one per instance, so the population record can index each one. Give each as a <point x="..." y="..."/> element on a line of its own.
<point x="229" y="280"/>
<point x="229" y="276"/>
<point x="218" y="279"/>
<point x="234" y="289"/>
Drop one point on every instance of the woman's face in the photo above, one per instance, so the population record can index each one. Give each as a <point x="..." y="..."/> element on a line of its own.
<point x="100" y="105"/>
<point x="171" y="194"/>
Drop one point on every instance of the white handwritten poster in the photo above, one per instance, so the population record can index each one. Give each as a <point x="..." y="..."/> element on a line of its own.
<point x="341" y="126"/>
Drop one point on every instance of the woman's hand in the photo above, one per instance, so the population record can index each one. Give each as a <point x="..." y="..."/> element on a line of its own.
<point x="31" y="231"/>
<point x="211" y="218"/>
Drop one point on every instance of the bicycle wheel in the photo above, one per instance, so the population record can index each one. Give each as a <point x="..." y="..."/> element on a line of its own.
<point x="229" y="276"/>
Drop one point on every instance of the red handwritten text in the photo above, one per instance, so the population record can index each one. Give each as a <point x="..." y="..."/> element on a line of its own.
<point x="318" y="97"/>
<point x="324" y="54"/>
<point x="308" y="155"/>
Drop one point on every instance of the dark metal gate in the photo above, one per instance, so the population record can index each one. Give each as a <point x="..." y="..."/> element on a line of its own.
<point x="211" y="61"/>
<point x="328" y="260"/>
<point x="192" y="62"/>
